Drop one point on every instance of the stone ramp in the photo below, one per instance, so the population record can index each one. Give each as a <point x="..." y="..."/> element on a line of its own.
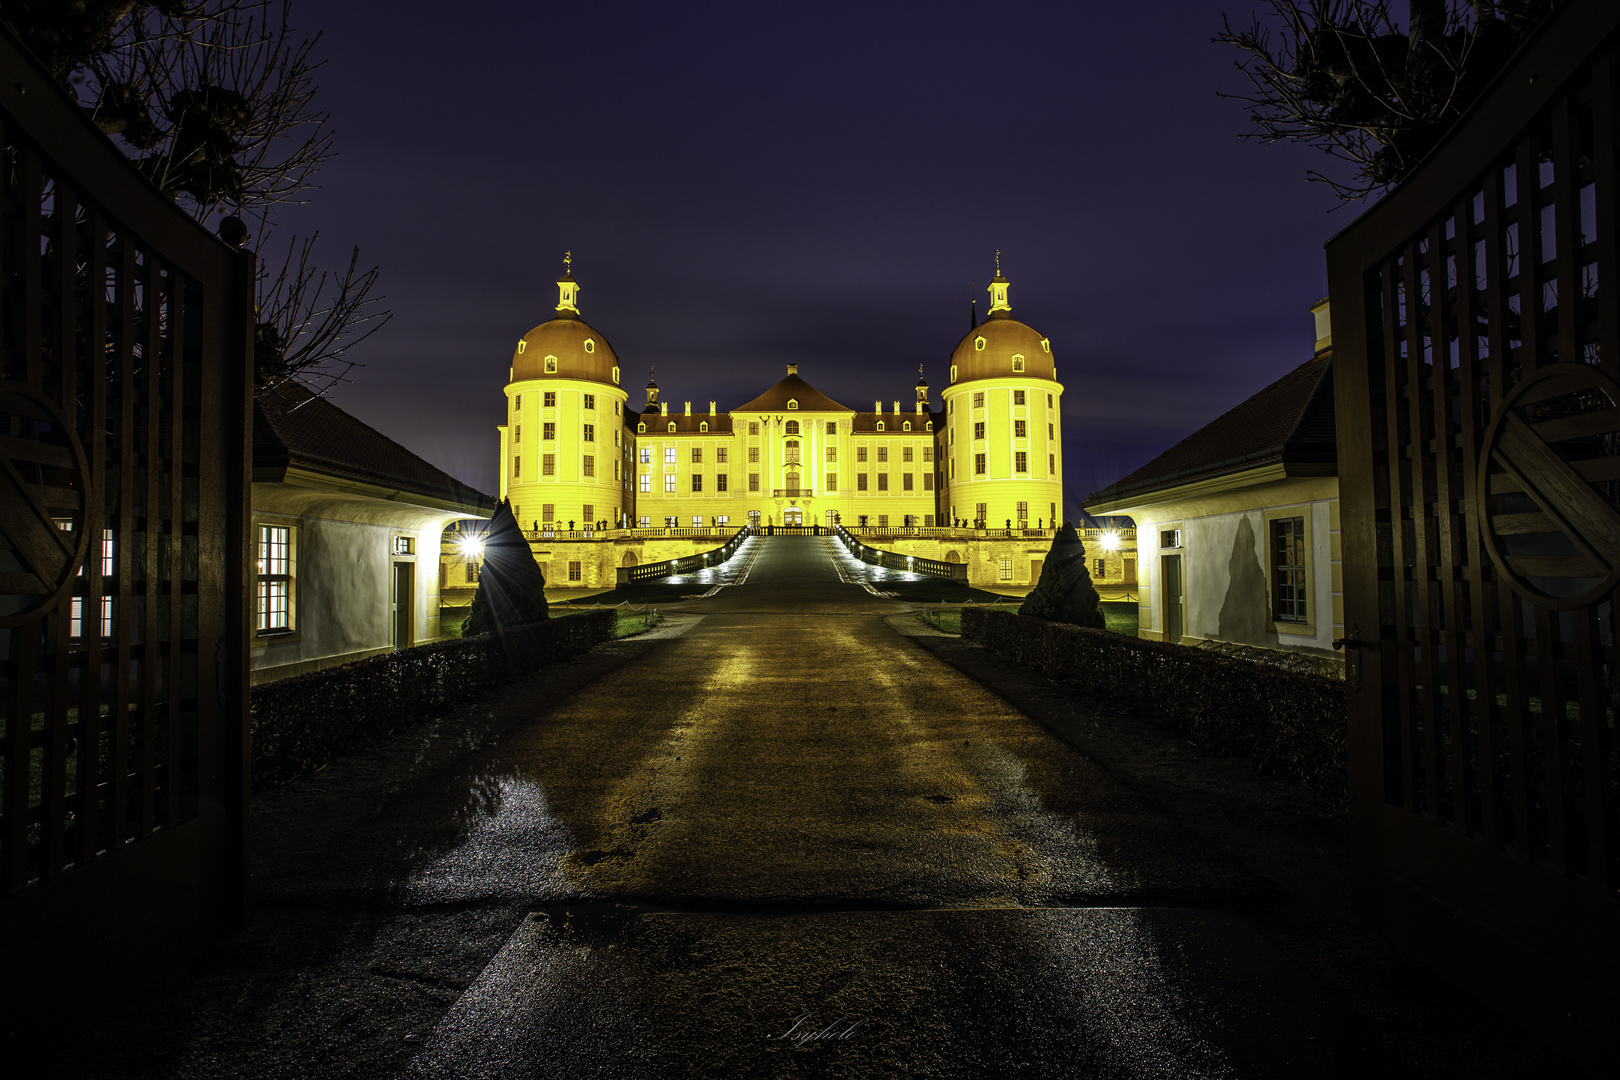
<point x="1054" y="992"/>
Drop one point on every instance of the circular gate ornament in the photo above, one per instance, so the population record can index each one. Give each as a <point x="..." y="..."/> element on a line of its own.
<point x="1549" y="482"/>
<point x="43" y="487"/>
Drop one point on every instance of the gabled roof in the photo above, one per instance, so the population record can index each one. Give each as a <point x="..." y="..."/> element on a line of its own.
<point x="776" y="398"/>
<point x="865" y="423"/>
<point x="294" y="427"/>
<point x="1290" y="421"/>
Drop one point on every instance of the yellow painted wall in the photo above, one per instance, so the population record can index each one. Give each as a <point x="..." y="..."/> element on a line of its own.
<point x="1001" y="488"/>
<point x="568" y="490"/>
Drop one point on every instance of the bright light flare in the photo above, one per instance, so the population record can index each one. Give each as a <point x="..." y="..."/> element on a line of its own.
<point x="472" y="546"/>
<point x="1110" y="541"/>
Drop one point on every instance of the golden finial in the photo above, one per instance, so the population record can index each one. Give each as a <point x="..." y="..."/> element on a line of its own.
<point x="998" y="262"/>
<point x="568" y="261"/>
<point x="919" y="370"/>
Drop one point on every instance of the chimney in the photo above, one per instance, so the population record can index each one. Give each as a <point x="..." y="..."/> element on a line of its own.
<point x="1324" y="326"/>
<point x="663" y="408"/>
<point x="897" y="408"/>
<point x="688" y="408"/>
<point x="711" y="408"/>
<point x="877" y="407"/>
<point x="793" y="369"/>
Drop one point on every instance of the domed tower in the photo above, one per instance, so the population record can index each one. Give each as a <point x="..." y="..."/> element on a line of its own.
<point x="563" y="445"/>
<point x="1004" y="430"/>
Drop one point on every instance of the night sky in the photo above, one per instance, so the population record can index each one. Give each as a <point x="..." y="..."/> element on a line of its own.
<point x="746" y="186"/>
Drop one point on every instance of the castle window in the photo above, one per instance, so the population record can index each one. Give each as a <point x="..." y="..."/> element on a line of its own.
<point x="792" y="427"/>
<point x="753" y="427"/>
<point x="1051" y="464"/>
<point x="549" y="400"/>
<point x="1018" y="363"/>
<point x="672" y="425"/>
<point x="641" y="428"/>
<point x="753" y="481"/>
<point x="669" y="455"/>
<point x="953" y="373"/>
<point x="832" y="427"/>
<point x="517" y="466"/>
<point x="832" y="481"/>
<point x="590" y="345"/>
<point x="720" y="455"/>
<point x="590" y="432"/>
<point x="704" y="426"/>
<point x="978" y="400"/>
<point x="697" y="454"/>
<point x="791" y="454"/>
<point x="860" y="453"/>
<point x="906" y="426"/>
<point x="883" y="481"/>
<point x="883" y="453"/>
<point x="1021" y="462"/>
<point x="590" y="401"/>
<point x="548" y="464"/>
<point x="522" y="344"/>
<point x="646" y="483"/>
<point x="574" y="570"/>
<point x="517" y="403"/>
<point x="860" y="481"/>
<point x="697" y="481"/>
<point x="548" y="431"/>
<point x="978" y="344"/>
<point x="793" y="403"/>
<point x="551" y="365"/>
<point x="928" y="453"/>
<point x="928" y="481"/>
<point x="1023" y="513"/>
<point x="1020" y="429"/>
<point x="589" y="465"/>
<point x="1018" y="397"/>
<point x="906" y="481"/>
<point x="907" y="454"/>
<point x="832" y="453"/>
<point x="978" y="430"/>
<point x="1048" y="401"/>
<point x="978" y="464"/>
<point x="722" y="481"/>
<point x="669" y="484"/>
<point x="929" y="426"/>
<point x="880" y="425"/>
<point x="615" y="383"/>
<point x="517" y="435"/>
<point x="1046" y="344"/>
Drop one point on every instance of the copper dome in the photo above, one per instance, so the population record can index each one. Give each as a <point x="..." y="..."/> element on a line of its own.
<point x="580" y="352"/>
<point x="1004" y="339"/>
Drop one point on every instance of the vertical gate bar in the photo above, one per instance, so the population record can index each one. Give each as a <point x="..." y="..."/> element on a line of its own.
<point x="1554" y="744"/>
<point x="19" y="739"/>
<point x="91" y="688"/>
<point x="31" y="184"/>
<point x="1442" y="307"/>
<point x="125" y="299"/>
<point x="1477" y="635"/>
<point x="1417" y="325"/>
<point x="152" y="417"/>
<point x="173" y="648"/>
<point x="1390" y="274"/>
<point x="1566" y="231"/>
<point x="1528" y="180"/>
<point x="1595" y="742"/>
<point x="1606" y="200"/>
<point x="64" y="233"/>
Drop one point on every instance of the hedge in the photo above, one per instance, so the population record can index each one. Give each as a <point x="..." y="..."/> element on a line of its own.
<point x="299" y="724"/>
<point x="1291" y="724"/>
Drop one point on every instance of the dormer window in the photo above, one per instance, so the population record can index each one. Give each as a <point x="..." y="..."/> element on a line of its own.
<point x="792" y="427"/>
<point x="642" y="427"/>
<point x="793" y="403"/>
<point x="906" y="426"/>
<point x="1046" y="344"/>
<point x="880" y="425"/>
<point x="672" y="425"/>
<point x="929" y="426"/>
<point x="703" y="426"/>
<point x="590" y="344"/>
<point x="1018" y="363"/>
<point x="522" y="344"/>
<point x="551" y="365"/>
<point x="953" y="373"/>
<point x="978" y="344"/>
<point x="615" y="377"/>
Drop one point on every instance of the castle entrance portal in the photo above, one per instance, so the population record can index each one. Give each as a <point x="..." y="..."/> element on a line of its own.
<point x="793" y="516"/>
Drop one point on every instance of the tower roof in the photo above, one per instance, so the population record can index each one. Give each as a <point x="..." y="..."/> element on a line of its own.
<point x="580" y="351"/>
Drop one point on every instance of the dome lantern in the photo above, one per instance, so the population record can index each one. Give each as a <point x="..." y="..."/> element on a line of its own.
<point x="568" y="289"/>
<point x="999" y="308"/>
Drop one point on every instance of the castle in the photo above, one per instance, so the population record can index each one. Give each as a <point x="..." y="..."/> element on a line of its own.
<point x="575" y="456"/>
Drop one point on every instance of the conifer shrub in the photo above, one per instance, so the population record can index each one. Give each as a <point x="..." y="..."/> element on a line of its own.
<point x="1065" y="593"/>
<point x="511" y="586"/>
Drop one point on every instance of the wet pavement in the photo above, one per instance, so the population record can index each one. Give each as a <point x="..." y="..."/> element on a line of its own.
<point x="791" y="811"/>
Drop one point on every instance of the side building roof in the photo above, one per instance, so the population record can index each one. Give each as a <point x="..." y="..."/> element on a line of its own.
<point x="293" y="427"/>
<point x="1289" y="422"/>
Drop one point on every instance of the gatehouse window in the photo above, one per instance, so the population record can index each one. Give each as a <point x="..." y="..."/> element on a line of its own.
<point x="273" y="602"/>
<point x="1288" y="569"/>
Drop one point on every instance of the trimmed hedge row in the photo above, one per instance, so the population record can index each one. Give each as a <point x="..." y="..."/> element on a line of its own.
<point x="1292" y="724"/>
<point x="299" y="724"/>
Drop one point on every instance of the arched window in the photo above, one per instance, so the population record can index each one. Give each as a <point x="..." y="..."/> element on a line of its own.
<point x="906" y="426"/>
<point x="551" y="365"/>
<point x="1018" y="363"/>
<point x="642" y="427"/>
<point x="1046" y="343"/>
<point x="792" y="427"/>
<point x="703" y="426"/>
<point x="672" y="425"/>
<point x="880" y="425"/>
<point x="792" y="452"/>
<point x="615" y="376"/>
<point x="522" y="344"/>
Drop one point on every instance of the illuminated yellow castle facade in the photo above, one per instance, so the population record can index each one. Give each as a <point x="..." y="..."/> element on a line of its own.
<point x="575" y="457"/>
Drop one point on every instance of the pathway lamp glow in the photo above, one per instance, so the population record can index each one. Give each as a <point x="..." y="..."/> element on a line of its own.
<point x="472" y="546"/>
<point x="1110" y="541"/>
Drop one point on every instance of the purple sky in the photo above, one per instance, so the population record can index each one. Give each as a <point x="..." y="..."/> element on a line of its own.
<point x="749" y="185"/>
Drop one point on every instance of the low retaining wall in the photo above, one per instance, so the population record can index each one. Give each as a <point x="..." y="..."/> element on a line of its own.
<point x="299" y="724"/>
<point x="1291" y="724"/>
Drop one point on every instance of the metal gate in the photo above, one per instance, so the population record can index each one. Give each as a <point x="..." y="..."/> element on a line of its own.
<point x="124" y="396"/>
<point x="1476" y="356"/>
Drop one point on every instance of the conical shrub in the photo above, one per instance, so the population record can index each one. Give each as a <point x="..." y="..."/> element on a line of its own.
<point x="1065" y="593"/>
<point x="511" y="586"/>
